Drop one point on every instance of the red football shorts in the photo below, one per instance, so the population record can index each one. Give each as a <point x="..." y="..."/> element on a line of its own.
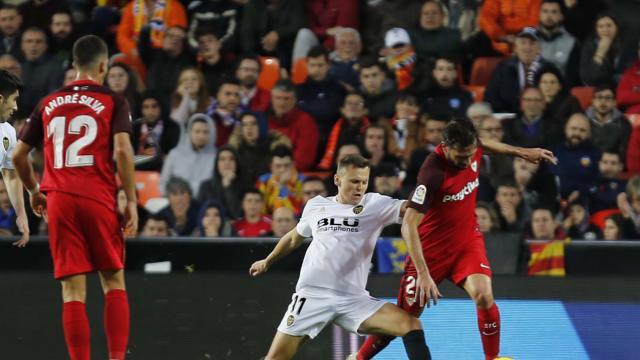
<point x="471" y="259"/>
<point x="84" y="235"/>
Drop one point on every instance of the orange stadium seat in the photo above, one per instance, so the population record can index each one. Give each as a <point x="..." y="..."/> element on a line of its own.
<point x="147" y="185"/>
<point x="584" y="94"/>
<point x="482" y="69"/>
<point x="270" y="72"/>
<point x="477" y="91"/>
<point x="299" y="71"/>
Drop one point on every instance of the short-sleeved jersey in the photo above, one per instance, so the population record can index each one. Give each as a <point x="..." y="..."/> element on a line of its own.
<point x="8" y="136"/>
<point x="344" y="237"/>
<point x="77" y="124"/>
<point x="446" y="195"/>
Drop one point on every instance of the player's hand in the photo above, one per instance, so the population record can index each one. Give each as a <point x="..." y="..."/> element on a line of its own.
<point x="131" y="219"/>
<point x="427" y="290"/>
<point x="536" y="155"/>
<point x="259" y="267"/>
<point x="23" y="227"/>
<point x="39" y="205"/>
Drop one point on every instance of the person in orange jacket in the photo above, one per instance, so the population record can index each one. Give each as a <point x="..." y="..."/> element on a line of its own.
<point x="502" y="20"/>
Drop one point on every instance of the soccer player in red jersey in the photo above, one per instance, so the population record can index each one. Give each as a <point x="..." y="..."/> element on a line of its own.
<point x="84" y="126"/>
<point x="441" y="214"/>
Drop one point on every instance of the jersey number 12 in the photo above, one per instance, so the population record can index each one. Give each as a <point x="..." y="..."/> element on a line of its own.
<point x="57" y="129"/>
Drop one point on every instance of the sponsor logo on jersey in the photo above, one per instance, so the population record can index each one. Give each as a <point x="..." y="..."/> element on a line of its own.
<point x="466" y="190"/>
<point x="5" y="143"/>
<point x="358" y="209"/>
<point x="419" y="195"/>
<point x="338" y="224"/>
<point x="290" y="320"/>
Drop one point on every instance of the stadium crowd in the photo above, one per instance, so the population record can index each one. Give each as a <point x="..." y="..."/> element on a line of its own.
<point x="242" y="108"/>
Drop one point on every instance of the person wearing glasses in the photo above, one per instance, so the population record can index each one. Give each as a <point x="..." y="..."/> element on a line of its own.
<point x="610" y="130"/>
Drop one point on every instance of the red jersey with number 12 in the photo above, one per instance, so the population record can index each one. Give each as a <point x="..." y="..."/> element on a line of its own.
<point x="77" y="124"/>
<point x="446" y="195"/>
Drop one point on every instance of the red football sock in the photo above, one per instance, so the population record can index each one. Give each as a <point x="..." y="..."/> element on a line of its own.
<point x="76" y="330"/>
<point x="116" y="323"/>
<point x="489" y="326"/>
<point x="373" y="345"/>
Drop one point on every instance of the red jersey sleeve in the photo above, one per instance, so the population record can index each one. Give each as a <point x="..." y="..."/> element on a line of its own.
<point x="121" y="121"/>
<point x="430" y="178"/>
<point x="33" y="133"/>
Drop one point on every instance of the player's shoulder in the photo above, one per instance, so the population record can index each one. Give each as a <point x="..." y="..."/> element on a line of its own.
<point x="319" y="200"/>
<point x="7" y="128"/>
<point x="372" y="198"/>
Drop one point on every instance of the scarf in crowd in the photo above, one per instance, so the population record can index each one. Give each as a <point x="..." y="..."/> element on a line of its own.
<point x="332" y="144"/>
<point x="528" y="76"/>
<point x="156" y="21"/>
<point x="149" y="136"/>
<point x="402" y="66"/>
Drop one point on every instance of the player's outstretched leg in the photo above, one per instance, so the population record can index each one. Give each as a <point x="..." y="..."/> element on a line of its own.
<point x="478" y="286"/>
<point x="285" y="346"/>
<point x="74" y="317"/>
<point x="116" y="313"/>
<point x="392" y="321"/>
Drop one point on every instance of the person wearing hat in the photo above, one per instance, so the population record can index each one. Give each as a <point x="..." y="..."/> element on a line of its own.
<point x="515" y="74"/>
<point x="400" y="56"/>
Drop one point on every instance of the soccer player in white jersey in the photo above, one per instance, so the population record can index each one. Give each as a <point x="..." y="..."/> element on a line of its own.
<point x="10" y="87"/>
<point x="331" y="287"/>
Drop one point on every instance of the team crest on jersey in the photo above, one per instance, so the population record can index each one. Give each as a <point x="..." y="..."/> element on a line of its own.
<point x="419" y="195"/>
<point x="290" y="320"/>
<point x="5" y="143"/>
<point x="358" y="209"/>
<point x="474" y="166"/>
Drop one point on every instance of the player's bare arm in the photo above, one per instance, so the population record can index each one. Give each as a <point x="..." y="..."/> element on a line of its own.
<point x="403" y="208"/>
<point x="289" y="242"/>
<point x="534" y="155"/>
<point x="123" y="153"/>
<point x="25" y="173"/>
<point x="14" y="189"/>
<point x="426" y="288"/>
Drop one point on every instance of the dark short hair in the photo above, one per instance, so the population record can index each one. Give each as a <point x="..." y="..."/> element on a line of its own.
<point x="284" y="85"/>
<point x="88" y="50"/>
<point x="459" y="132"/>
<point x="604" y="87"/>
<point x="281" y="151"/>
<point x="312" y="179"/>
<point x="158" y="217"/>
<point x="368" y="62"/>
<point x="544" y="208"/>
<point x="557" y="73"/>
<point x="318" y="51"/>
<point x="9" y="83"/>
<point x="11" y="7"/>
<point x="252" y="191"/>
<point x="560" y="3"/>
<point x="227" y="80"/>
<point x="203" y="31"/>
<point x="357" y="161"/>
<point x="250" y="58"/>
<point x="178" y="184"/>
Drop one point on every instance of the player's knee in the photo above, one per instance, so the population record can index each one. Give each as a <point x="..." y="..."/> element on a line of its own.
<point x="409" y="324"/>
<point x="70" y="292"/>
<point x="483" y="298"/>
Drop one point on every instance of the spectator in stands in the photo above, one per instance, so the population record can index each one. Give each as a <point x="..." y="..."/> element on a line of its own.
<point x="165" y="63"/>
<point x="212" y="63"/>
<point x="609" y="128"/>
<point x="445" y="97"/>
<point x="253" y="223"/>
<point x="313" y="186"/>
<point x="69" y="75"/>
<point x="297" y="125"/>
<point x="223" y="17"/>
<point x="349" y="128"/>
<point x="323" y="20"/>
<point x="604" y="55"/>
<point x="283" y="185"/>
<point x="616" y="227"/>
<point x="320" y="95"/>
<point x="38" y="12"/>
<point x="251" y="96"/>
<point x="577" y="166"/>
<point x="154" y="134"/>
<point x="497" y="168"/>
<point x="629" y="87"/>
<point x="544" y="226"/>
<point x="253" y="143"/>
<point x="430" y="137"/>
<point x="386" y="180"/>
<point x="511" y="76"/>
<point x="344" y="150"/>
<point x="536" y="184"/>
<point x="487" y="218"/>
<point x="560" y="103"/>
<point x="376" y="148"/>
<point x="629" y="203"/>
<point x="576" y="223"/>
<point x="160" y="15"/>
<point x="10" y="33"/>
<point x="10" y="63"/>
<point x="227" y="184"/>
<point x="401" y="58"/>
<point x="63" y="35"/>
<point x="190" y="96"/>
<point x="432" y="38"/>
<point x="478" y="112"/>
<point x="121" y="201"/>
<point x="378" y="91"/>
<point x="41" y="72"/>
<point x="406" y="127"/>
<point x="604" y="192"/>
<point x="557" y="44"/>
<point x="226" y="109"/>
<point x="194" y="157"/>
<point x="344" y="59"/>
<point x="156" y="226"/>
<point x="531" y="128"/>
<point x="269" y="28"/>
<point x="282" y="222"/>
<point x="513" y="212"/>
<point x="212" y="221"/>
<point x="580" y="16"/>
<point x="122" y="80"/>
<point x="502" y="20"/>
<point x="182" y="211"/>
<point x="7" y="213"/>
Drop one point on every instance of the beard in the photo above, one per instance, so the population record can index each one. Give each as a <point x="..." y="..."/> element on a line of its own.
<point x="249" y="81"/>
<point x="575" y="141"/>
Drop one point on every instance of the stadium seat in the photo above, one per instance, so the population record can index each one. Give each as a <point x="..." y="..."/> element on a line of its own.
<point x="634" y="119"/>
<point x="477" y="91"/>
<point x="270" y="73"/>
<point x="299" y="71"/>
<point x="584" y="94"/>
<point x="599" y="217"/>
<point x="482" y="69"/>
<point x="156" y="204"/>
<point x="147" y="185"/>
